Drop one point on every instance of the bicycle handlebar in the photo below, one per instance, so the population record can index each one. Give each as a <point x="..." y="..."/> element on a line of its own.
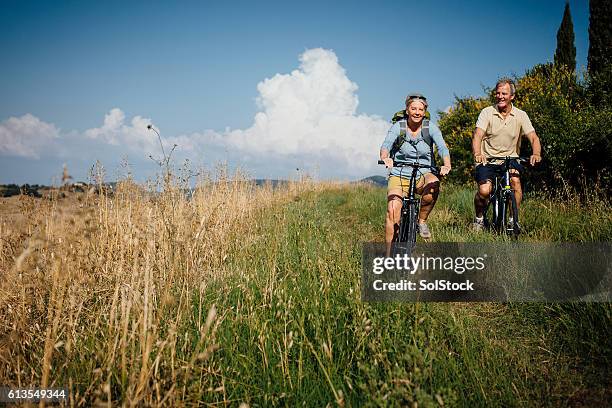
<point x="521" y="159"/>
<point x="409" y="164"/>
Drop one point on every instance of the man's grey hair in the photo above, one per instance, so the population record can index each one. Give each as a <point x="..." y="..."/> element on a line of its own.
<point x="504" y="81"/>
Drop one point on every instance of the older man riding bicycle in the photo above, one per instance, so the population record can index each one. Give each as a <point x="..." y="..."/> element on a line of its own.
<point x="498" y="134"/>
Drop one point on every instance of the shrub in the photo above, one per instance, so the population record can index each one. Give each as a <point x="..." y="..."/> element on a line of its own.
<point x="457" y="126"/>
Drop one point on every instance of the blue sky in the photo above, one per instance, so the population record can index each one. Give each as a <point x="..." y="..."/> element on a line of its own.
<point x="197" y="70"/>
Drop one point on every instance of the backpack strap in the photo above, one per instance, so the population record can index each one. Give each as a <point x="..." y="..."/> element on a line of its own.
<point x="399" y="141"/>
<point x="428" y="139"/>
<point x="425" y="132"/>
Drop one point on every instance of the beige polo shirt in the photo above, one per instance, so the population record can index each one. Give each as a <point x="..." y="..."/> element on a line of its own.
<point x="503" y="136"/>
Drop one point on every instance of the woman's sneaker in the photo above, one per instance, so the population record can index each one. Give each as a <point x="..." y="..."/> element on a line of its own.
<point x="424" y="231"/>
<point x="478" y="224"/>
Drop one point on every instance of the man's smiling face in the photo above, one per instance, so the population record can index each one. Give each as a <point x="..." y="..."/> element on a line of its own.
<point x="504" y="96"/>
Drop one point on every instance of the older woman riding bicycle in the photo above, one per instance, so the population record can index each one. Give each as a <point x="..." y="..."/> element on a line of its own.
<point x="413" y="138"/>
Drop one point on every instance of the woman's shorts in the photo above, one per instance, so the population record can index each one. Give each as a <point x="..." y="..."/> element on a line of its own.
<point x="396" y="182"/>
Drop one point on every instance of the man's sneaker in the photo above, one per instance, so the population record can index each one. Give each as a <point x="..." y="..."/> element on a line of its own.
<point x="424" y="231"/>
<point x="478" y="224"/>
<point x="512" y="225"/>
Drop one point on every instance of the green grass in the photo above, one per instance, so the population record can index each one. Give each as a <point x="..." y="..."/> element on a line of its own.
<point x="294" y="331"/>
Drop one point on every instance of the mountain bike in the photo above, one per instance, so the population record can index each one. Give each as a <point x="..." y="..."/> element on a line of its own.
<point x="503" y="216"/>
<point x="405" y="239"/>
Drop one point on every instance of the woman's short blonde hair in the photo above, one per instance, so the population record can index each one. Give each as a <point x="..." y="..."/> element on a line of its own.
<point x="416" y="97"/>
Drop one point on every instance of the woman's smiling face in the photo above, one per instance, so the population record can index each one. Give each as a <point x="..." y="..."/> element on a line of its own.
<point x="416" y="111"/>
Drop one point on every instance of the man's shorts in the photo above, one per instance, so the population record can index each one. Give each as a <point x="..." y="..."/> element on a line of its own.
<point x="483" y="173"/>
<point x="396" y="182"/>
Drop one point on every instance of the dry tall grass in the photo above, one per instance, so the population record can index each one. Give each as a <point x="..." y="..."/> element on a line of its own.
<point x="104" y="297"/>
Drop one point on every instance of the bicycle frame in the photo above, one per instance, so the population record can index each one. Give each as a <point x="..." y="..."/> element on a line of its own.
<point x="410" y="208"/>
<point x="501" y="197"/>
<point x="407" y="230"/>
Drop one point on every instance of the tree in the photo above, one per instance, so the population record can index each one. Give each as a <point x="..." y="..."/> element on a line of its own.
<point x="566" y="51"/>
<point x="600" y="36"/>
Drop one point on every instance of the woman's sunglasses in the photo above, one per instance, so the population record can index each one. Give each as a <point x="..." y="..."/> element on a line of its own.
<point x="416" y="97"/>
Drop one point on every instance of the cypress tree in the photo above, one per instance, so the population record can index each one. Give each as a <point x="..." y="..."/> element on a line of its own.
<point x="566" y="50"/>
<point x="600" y="36"/>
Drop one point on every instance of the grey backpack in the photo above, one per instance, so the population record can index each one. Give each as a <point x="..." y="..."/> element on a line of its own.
<point x="401" y="139"/>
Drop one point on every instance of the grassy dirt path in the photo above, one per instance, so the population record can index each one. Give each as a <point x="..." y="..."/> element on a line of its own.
<point x="295" y="331"/>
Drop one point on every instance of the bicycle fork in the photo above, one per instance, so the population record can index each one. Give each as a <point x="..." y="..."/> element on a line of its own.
<point x="498" y="199"/>
<point x="408" y="223"/>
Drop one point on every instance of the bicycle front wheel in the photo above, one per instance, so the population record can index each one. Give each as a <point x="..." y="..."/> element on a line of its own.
<point x="408" y="227"/>
<point x="511" y="216"/>
<point x="413" y="213"/>
<point x="492" y="212"/>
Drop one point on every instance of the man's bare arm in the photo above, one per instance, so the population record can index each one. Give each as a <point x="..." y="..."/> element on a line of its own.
<point x="536" y="148"/>
<point x="476" y="145"/>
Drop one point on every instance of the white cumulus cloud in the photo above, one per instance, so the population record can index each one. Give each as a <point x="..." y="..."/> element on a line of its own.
<point x="26" y="136"/>
<point x="312" y="111"/>
<point x="135" y="136"/>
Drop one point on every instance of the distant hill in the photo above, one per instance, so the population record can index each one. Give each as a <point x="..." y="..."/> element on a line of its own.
<point x="380" y="181"/>
<point x="375" y="180"/>
<point x="38" y="190"/>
